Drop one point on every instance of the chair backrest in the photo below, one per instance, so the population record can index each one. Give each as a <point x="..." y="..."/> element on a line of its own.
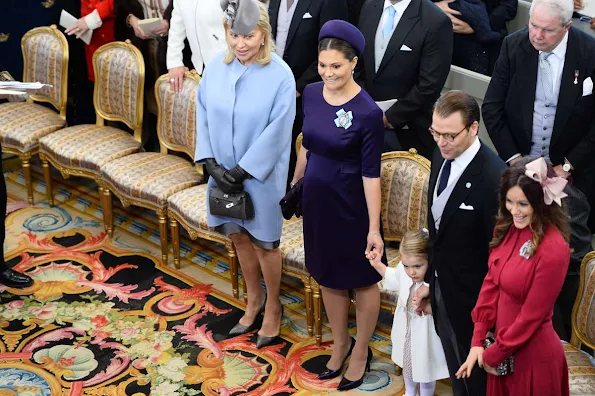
<point x="176" y="114"/>
<point x="405" y="177"/>
<point x="119" y="85"/>
<point x="45" y="59"/>
<point x="583" y="313"/>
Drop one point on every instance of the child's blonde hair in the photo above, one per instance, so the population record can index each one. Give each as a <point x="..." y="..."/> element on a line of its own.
<point x="415" y="243"/>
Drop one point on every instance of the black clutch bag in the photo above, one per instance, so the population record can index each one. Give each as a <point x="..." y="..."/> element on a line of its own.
<point x="236" y="205"/>
<point x="507" y="366"/>
<point x="290" y="203"/>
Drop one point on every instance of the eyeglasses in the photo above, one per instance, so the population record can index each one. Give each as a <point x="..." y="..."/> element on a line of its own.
<point x="449" y="137"/>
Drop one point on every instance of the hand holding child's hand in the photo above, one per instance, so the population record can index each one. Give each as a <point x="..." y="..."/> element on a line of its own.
<point x="375" y="261"/>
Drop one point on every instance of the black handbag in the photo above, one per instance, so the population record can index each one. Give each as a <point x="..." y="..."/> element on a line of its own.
<point x="290" y="203"/>
<point x="507" y="366"/>
<point x="235" y="205"/>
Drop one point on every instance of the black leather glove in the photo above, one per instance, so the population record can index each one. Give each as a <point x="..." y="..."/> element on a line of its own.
<point x="236" y="175"/>
<point x="218" y="174"/>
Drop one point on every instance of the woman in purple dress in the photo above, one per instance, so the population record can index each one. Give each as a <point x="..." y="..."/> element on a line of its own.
<point x="340" y="162"/>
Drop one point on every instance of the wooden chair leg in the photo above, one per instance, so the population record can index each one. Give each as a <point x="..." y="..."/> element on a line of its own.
<point x="309" y="313"/>
<point x="317" y="302"/>
<point x="233" y="269"/>
<point x="47" y="175"/>
<point x="26" y="163"/>
<point x="175" y="241"/>
<point x="108" y="216"/>
<point x="245" y="290"/>
<point x="163" y="236"/>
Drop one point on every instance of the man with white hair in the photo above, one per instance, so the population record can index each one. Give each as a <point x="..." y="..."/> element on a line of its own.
<point x="540" y="102"/>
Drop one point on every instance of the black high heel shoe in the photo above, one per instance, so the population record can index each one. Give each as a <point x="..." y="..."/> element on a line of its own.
<point x="240" y="329"/>
<point x="347" y="384"/>
<point x="262" y="341"/>
<point x="328" y="373"/>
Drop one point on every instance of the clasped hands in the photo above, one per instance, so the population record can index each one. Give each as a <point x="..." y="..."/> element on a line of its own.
<point x="229" y="181"/>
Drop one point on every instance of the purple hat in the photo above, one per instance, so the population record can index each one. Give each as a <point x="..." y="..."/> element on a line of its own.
<point x="345" y="31"/>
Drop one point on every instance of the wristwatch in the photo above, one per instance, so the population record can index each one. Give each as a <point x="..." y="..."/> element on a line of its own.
<point x="566" y="167"/>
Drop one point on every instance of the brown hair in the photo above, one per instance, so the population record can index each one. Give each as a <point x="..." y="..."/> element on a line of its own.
<point x="543" y="215"/>
<point x="458" y="101"/>
<point x="415" y="243"/>
<point x="265" y="52"/>
<point x="342" y="46"/>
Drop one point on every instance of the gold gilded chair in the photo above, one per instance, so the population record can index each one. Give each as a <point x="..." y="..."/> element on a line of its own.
<point x="581" y="366"/>
<point x="23" y="124"/>
<point x="82" y="150"/>
<point x="149" y="179"/>
<point x="405" y="177"/>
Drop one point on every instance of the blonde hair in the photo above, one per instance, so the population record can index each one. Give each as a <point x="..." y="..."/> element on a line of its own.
<point x="265" y="52"/>
<point x="415" y="243"/>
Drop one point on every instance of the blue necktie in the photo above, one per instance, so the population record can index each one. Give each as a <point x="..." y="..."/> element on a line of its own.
<point x="389" y="24"/>
<point x="444" y="176"/>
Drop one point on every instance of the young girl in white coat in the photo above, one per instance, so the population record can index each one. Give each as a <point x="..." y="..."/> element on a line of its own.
<point x="416" y="346"/>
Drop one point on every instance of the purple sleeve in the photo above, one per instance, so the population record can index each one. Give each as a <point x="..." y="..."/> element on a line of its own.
<point x="372" y="142"/>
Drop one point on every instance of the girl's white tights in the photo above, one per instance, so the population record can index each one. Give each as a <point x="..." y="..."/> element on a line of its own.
<point x="425" y="388"/>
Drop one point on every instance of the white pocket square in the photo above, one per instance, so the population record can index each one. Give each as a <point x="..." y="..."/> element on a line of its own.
<point x="466" y="207"/>
<point x="405" y="48"/>
<point x="587" y="86"/>
<point x="307" y="15"/>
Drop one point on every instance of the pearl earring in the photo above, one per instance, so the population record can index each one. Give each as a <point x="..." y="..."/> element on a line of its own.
<point x="262" y="44"/>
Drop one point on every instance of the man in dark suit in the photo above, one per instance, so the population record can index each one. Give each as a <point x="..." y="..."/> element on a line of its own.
<point x="540" y="102"/>
<point x="463" y="201"/>
<point x="407" y="59"/>
<point x="295" y="25"/>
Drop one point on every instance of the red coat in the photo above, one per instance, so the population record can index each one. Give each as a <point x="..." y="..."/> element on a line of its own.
<point x="101" y="35"/>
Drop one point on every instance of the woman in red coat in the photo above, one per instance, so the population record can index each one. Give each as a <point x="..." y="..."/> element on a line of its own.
<point x="527" y="267"/>
<point x="99" y="16"/>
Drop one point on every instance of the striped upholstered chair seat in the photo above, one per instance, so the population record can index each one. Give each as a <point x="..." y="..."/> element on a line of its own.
<point x="190" y="206"/>
<point x="150" y="178"/>
<point x="23" y="124"/>
<point x="87" y="148"/>
<point x="581" y="366"/>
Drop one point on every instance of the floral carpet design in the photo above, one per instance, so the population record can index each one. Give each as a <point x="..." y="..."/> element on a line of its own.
<point x="105" y="317"/>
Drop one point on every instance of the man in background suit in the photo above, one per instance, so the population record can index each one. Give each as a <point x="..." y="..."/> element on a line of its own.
<point x="295" y="25"/>
<point x="463" y="201"/>
<point x="540" y="102"/>
<point x="407" y="58"/>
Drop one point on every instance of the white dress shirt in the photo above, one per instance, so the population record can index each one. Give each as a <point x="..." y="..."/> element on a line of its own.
<point x="399" y="6"/>
<point x="459" y="164"/>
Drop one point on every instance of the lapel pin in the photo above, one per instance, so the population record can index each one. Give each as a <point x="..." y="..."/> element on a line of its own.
<point x="468" y="185"/>
<point x="575" y="77"/>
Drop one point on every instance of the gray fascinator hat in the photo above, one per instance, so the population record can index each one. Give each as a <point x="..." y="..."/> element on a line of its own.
<point x="242" y="15"/>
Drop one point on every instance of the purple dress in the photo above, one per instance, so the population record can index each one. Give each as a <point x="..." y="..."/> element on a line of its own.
<point x="333" y="201"/>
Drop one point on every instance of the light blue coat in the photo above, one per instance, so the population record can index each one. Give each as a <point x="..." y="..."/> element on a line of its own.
<point x="244" y="115"/>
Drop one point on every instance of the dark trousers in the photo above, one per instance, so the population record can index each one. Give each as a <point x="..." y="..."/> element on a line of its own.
<point x="3" y="199"/>
<point x="456" y="352"/>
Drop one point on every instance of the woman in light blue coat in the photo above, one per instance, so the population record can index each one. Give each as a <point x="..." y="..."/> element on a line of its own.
<point x="245" y="111"/>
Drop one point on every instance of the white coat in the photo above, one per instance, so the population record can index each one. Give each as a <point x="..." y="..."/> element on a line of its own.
<point x="427" y="356"/>
<point x="201" y="22"/>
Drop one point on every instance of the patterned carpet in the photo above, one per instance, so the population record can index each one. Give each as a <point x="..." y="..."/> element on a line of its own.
<point x="104" y="317"/>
